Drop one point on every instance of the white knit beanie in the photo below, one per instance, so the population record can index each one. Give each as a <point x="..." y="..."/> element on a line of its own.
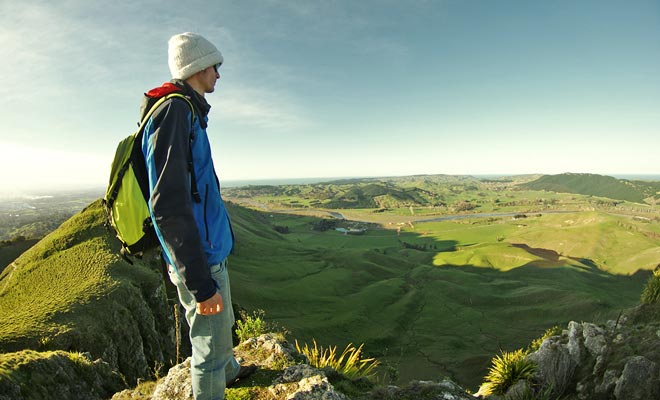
<point x="189" y="53"/>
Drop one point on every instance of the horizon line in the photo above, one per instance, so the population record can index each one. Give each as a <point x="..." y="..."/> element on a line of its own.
<point x="236" y="182"/>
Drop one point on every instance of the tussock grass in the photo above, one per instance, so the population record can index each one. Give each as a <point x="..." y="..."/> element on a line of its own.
<point x="506" y="369"/>
<point x="349" y="363"/>
<point x="651" y="292"/>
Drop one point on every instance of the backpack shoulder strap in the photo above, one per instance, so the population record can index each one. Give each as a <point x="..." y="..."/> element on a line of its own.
<point x="193" y="179"/>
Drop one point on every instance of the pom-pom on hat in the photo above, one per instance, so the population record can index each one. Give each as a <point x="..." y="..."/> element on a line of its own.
<point x="188" y="53"/>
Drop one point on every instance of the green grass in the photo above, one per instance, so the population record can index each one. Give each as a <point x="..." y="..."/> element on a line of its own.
<point x="616" y="244"/>
<point x="59" y="273"/>
<point x="428" y="317"/>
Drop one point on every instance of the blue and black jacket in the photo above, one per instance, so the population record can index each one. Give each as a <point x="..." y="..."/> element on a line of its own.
<point x="194" y="233"/>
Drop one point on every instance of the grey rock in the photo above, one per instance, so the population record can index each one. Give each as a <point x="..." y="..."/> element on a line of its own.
<point x="442" y="390"/>
<point x="639" y="380"/>
<point x="176" y="385"/>
<point x="304" y="382"/>
<point x="518" y="390"/>
<point x="556" y="363"/>
<point x="316" y="387"/>
<point x="606" y="387"/>
<point x="594" y="339"/>
<point x="269" y="344"/>
<point x="574" y="341"/>
<point x="297" y="373"/>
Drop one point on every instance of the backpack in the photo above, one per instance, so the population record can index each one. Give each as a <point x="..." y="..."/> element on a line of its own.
<point x="127" y="196"/>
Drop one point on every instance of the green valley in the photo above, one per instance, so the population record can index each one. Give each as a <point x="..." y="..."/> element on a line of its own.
<point x="438" y="297"/>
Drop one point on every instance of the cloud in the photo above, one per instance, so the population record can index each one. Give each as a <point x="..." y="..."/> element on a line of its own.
<point x="56" y="46"/>
<point x="251" y="107"/>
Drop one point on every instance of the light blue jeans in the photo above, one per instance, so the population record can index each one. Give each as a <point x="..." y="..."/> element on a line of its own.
<point x="213" y="363"/>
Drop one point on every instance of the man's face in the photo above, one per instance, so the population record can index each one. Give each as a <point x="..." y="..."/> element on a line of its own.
<point x="211" y="75"/>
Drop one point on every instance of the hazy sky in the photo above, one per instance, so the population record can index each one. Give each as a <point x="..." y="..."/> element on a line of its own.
<point x="341" y="88"/>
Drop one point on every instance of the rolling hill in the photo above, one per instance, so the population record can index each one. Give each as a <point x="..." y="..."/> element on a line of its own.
<point x="597" y="185"/>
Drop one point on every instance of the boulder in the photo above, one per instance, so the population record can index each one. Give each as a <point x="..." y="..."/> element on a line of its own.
<point x="639" y="380"/>
<point x="557" y="361"/>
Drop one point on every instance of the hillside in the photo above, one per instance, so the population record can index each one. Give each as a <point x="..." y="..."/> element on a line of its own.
<point x="597" y="185"/>
<point x="72" y="291"/>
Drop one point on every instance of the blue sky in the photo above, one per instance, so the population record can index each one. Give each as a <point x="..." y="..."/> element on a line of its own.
<point x="340" y="88"/>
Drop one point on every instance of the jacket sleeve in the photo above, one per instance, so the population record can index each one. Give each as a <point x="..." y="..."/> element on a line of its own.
<point x="171" y="199"/>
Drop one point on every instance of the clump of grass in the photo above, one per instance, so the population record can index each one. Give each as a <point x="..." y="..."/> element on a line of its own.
<point x="349" y="363"/>
<point x="651" y="292"/>
<point x="507" y="369"/>
<point x="536" y="343"/>
<point x="251" y="325"/>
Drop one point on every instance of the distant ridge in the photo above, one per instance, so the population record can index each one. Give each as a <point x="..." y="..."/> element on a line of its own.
<point x="597" y="185"/>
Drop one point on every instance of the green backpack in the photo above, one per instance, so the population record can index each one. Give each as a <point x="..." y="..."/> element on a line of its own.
<point x="127" y="196"/>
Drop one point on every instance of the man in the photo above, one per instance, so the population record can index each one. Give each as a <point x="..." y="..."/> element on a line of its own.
<point x="189" y="216"/>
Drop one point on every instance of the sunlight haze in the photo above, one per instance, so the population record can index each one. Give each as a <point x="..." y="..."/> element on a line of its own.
<point x="341" y="88"/>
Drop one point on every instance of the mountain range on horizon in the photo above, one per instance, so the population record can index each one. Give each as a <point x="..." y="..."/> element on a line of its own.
<point x="31" y="192"/>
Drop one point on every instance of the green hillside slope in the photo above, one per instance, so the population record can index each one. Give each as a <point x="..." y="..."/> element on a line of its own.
<point x="72" y="291"/>
<point x="596" y="185"/>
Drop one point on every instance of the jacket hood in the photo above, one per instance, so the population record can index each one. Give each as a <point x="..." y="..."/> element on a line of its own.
<point x="202" y="107"/>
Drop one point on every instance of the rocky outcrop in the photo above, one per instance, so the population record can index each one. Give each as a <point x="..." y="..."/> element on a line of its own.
<point x="288" y="376"/>
<point x="617" y="360"/>
<point x="56" y="375"/>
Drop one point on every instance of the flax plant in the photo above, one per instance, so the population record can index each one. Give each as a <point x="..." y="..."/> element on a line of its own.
<point x="507" y="369"/>
<point x="349" y="363"/>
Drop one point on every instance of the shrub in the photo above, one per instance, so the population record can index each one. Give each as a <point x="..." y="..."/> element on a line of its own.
<point x="464" y="206"/>
<point x="250" y="325"/>
<point x="536" y="343"/>
<point x="507" y="369"/>
<point x="651" y="292"/>
<point x="349" y="363"/>
<point x="324" y="225"/>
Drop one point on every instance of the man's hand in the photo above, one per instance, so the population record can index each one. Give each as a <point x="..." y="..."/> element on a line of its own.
<point x="210" y="306"/>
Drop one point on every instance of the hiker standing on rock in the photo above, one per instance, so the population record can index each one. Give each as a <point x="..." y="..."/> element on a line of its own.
<point x="190" y="218"/>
